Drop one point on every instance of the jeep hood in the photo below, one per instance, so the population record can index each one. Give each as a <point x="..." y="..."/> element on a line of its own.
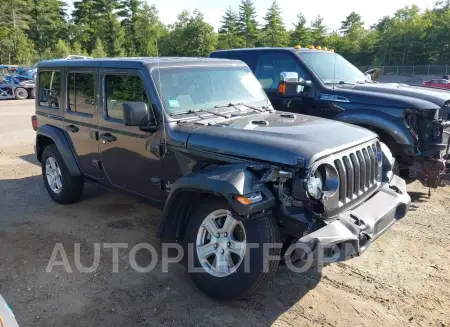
<point x="399" y="95"/>
<point x="273" y="137"/>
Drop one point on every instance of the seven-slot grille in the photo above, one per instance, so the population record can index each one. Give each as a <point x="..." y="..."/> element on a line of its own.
<point x="358" y="172"/>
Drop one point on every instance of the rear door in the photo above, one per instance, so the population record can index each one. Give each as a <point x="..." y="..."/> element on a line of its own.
<point x="130" y="157"/>
<point x="80" y="118"/>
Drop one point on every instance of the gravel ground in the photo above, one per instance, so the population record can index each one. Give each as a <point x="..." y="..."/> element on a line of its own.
<point x="402" y="280"/>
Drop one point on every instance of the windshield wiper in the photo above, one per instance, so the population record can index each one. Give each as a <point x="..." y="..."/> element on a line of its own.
<point x="262" y="109"/>
<point x="340" y="82"/>
<point x="195" y="112"/>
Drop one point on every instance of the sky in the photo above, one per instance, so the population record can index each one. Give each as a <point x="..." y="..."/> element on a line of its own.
<point x="333" y="11"/>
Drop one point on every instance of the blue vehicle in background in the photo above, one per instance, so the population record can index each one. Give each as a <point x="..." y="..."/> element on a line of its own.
<point x="27" y="72"/>
<point x="12" y="87"/>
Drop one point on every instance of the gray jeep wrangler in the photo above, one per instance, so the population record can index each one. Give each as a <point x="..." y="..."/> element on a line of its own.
<point x="199" y="139"/>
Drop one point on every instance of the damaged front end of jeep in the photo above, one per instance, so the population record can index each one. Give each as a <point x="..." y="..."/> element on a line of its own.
<point x="339" y="205"/>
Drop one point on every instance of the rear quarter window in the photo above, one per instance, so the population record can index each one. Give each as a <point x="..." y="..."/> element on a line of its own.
<point x="49" y="89"/>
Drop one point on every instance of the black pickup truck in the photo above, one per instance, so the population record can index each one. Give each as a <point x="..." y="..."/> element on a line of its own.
<point x="409" y="119"/>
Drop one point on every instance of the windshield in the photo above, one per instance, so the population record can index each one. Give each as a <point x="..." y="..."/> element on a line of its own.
<point x="332" y="68"/>
<point x="196" y="88"/>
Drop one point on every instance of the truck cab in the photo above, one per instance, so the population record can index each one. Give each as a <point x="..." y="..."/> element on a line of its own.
<point x="410" y="120"/>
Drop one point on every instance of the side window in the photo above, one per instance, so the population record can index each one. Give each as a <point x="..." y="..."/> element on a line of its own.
<point x="81" y="92"/>
<point x="49" y="89"/>
<point x="123" y="88"/>
<point x="270" y="66"/>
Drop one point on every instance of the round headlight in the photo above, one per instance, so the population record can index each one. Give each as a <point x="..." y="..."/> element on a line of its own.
<point x="325" y="181"/>
<point x="314" y="185"/>
<point x="331" y="179"/>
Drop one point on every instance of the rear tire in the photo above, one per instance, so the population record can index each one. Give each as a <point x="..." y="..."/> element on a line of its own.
<point x="20" y="93"/>
<point x="33" y="94"/>
<point x="244" y="275"/>
<point x="62" y="187"/>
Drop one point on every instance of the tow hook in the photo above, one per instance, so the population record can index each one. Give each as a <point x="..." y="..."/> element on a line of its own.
<point x="396" y="189"/>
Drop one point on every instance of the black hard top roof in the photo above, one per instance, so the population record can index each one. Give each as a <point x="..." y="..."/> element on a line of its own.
<point x="139" y="62"/>
<point x="273" y="49"/>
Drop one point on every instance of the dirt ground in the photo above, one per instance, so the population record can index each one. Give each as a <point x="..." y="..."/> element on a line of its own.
<point x="402" y="280"/>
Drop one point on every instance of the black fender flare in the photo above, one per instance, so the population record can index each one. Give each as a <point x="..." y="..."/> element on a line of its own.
<point x="58" y="137"/>
<point x="224" y="181"/>
<point x="381" y="122"/>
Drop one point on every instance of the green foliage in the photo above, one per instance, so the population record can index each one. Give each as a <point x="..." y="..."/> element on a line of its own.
<point x="248" y="26"/>
<point x="301" y="35"/>
<point x="98" y="51"/>
<point x="352" y="21"/>
<point x="61" y="50"/>
<point x="190" y="35"/>
<point x="149" y="30"/>
<point x="32" y="30"/>
<point x="47" y="24"/>
<point x="229" y="32"/>
<point x="274" y="33"/>
<point x="318" y="30"/>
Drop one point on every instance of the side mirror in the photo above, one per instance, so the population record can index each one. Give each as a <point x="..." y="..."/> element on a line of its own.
<point x="135" y="113"/>
<point x="291" y="85"/>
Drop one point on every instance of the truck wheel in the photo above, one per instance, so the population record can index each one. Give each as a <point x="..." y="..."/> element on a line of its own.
<point x="33" y="94"/>
<point x="216" y="244"/>
<point x="20" y="93"/>
<point x="62" y="187"/>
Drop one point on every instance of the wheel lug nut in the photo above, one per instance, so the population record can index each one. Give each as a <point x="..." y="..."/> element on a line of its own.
<point x="225" y="234"/>
<point x="215" y="246"/>
<point x="217" y="235"/>
<point x="228" y="244"/>
<point x="222" y="251"/>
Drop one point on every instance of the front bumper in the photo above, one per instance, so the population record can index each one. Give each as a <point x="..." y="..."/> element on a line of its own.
<point x="353" y="231"/>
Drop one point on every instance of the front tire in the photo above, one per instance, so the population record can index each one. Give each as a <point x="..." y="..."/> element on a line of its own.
<point x="228" y="266"/>
<point x="62" y="187"/>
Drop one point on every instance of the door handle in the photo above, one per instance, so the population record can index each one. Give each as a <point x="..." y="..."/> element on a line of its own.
<point x="108" y="137"/>
<point x="72" y="128"/>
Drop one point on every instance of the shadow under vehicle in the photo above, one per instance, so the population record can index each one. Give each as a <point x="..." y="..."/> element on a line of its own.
<point x="199" y="138"/>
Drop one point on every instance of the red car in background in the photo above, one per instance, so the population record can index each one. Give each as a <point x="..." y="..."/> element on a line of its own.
<point x="438" y="83"/>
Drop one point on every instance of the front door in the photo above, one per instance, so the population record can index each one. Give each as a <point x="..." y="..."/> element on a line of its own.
<point x="268" y="69"/>
<point x="128" y="155"/>
<point x="80" y="118"/>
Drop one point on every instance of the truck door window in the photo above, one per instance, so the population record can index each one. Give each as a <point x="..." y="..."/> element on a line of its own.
<point x="81" y="92"/>
<point x="270" y="66"/>
<point x="49" y="89"/>
<point x="122" y="88"/>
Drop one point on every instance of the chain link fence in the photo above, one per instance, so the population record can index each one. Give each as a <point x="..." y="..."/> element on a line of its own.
<point x="431" y="70"/>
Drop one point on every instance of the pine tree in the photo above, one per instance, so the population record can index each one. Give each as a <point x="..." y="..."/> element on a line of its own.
<point x="85" y="17"/>
<point x="318" y="30"/>
<point x="129" y="11"/>
<point x="109" y="28"/>
<point x="247" y="23"/>
<point x="48" y="23"/>
<point x="301" y="34"/>
<point x="60" y="50"/>
<point x="353" y="20"/>
<point x="98" y="51"/>
<point x="274" y="31"/>
<point x="77" y="50"/>
<point x="149" y="30"/>
<point x="229" y="37"/>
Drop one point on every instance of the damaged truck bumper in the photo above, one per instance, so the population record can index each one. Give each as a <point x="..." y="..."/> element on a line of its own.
<point x="353" y="231"/>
